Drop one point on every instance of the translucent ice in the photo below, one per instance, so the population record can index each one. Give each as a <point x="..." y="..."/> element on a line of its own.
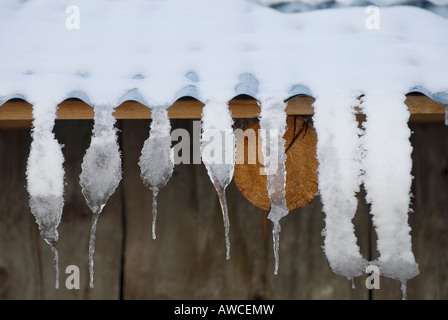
<point x="45" y="177"/>
<point x="218" y="154"/>
<point x="273" y="128"/>
<point x="446" y="115"/>
<point x="101" y="171"/>
<point x="157" y="158"/>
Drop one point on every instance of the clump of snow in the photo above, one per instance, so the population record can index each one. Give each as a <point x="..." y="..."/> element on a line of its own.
<point x="149" y="47"/>
<point x="101" y="167"/>
<point x="45" y="177"/>
<point x="101" y="171"/>
<point x="218" y="154"/>
<point x="339" y="178"/>
<point x="157" y="158"/>
<point x="387" y="180"/>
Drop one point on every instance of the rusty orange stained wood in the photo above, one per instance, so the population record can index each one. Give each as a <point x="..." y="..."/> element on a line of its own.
<point x="419" y="106"/>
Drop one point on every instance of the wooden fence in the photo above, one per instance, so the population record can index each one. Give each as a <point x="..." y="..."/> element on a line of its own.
<point x="187" y="261"/>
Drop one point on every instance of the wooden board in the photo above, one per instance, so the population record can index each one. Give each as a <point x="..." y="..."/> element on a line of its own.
<point x="19" y="265"/>
<point x="187" y="260"/>
<point x="26" y="261"/>
<point x="421" y="107"/>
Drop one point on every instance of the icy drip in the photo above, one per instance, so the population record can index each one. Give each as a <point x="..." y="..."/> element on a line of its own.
<point x="45" y="177"/>
<point x="225" y="215"/>
<point x="54" y="248"/>
<point x="273" y="128"/>
<point x="101" y="171"/>
<point x="218" y="154"/>
<point x="388" y="181"/>
<point x="157" y="158"/>
<point x="220" y="190"/>
<point x="155" y="192"/>
<point x="403" y="290"/>
<point x="446" y="114"/>
<point x="276" y="244"/>
<point x="339" y="176"/>
<point x="92" y="239"/>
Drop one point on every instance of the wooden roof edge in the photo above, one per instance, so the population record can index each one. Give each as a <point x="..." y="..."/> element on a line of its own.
<point x="421" y="107"/>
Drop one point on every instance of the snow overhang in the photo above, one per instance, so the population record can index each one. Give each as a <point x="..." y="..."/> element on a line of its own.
<point x="155" y="52"/>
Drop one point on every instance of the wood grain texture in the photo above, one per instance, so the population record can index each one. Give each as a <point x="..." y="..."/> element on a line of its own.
<point x="422" y="108"/>
<point x="301" y="164"/>
<point x="19" y="266"/>
<point x="187" y="261"/>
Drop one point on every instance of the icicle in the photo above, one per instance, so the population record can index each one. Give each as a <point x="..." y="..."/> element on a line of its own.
<point x="403" y="290"/>
<point x="45" y="177"/>
<point x="155" y="192"/>
<point x="446" y="114"/>
<point x="54" y="248"/>
<point x="218" y="154"/>
<point x="353" y="283"/>
<point x="276" y="244"/>
<point x="101" y="171"/>
<point x="157" y="158"/>
<point x="339" y="178"/>
<point x="273" y="128"/>
<point x="388" y="180"/>
<point x="92" y="239"/>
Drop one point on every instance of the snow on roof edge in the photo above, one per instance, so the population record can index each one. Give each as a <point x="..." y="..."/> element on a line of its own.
<point x="259" y="52"/>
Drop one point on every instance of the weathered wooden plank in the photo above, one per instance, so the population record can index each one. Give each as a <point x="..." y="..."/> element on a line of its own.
<point x="422" y="108"/>
<point x="429" y="221"/>
<point x="304" y="271"/>
<point x="74" y="229"/>
<point x="19" y="268"/>
<point x="187" y="260"/>
<point x="163" y="268"/>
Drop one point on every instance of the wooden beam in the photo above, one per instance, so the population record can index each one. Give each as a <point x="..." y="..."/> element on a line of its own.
<point x="421" y="108"/>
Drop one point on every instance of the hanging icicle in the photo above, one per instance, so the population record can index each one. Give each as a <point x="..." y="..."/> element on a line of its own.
<point x="101" y="171"/>
<point x="45" y="177"/>
<point x="446" y="114"/>
<point x="339" y="178"/>
<point x="218" y="154"/>
<point x="273" y="127"/>
<point x="157" y="158"/>
<point x="388" y="181"/>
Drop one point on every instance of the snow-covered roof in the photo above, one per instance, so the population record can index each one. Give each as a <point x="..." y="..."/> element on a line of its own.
<point x="106" y="52"/>
<point x="157" y="51"/>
